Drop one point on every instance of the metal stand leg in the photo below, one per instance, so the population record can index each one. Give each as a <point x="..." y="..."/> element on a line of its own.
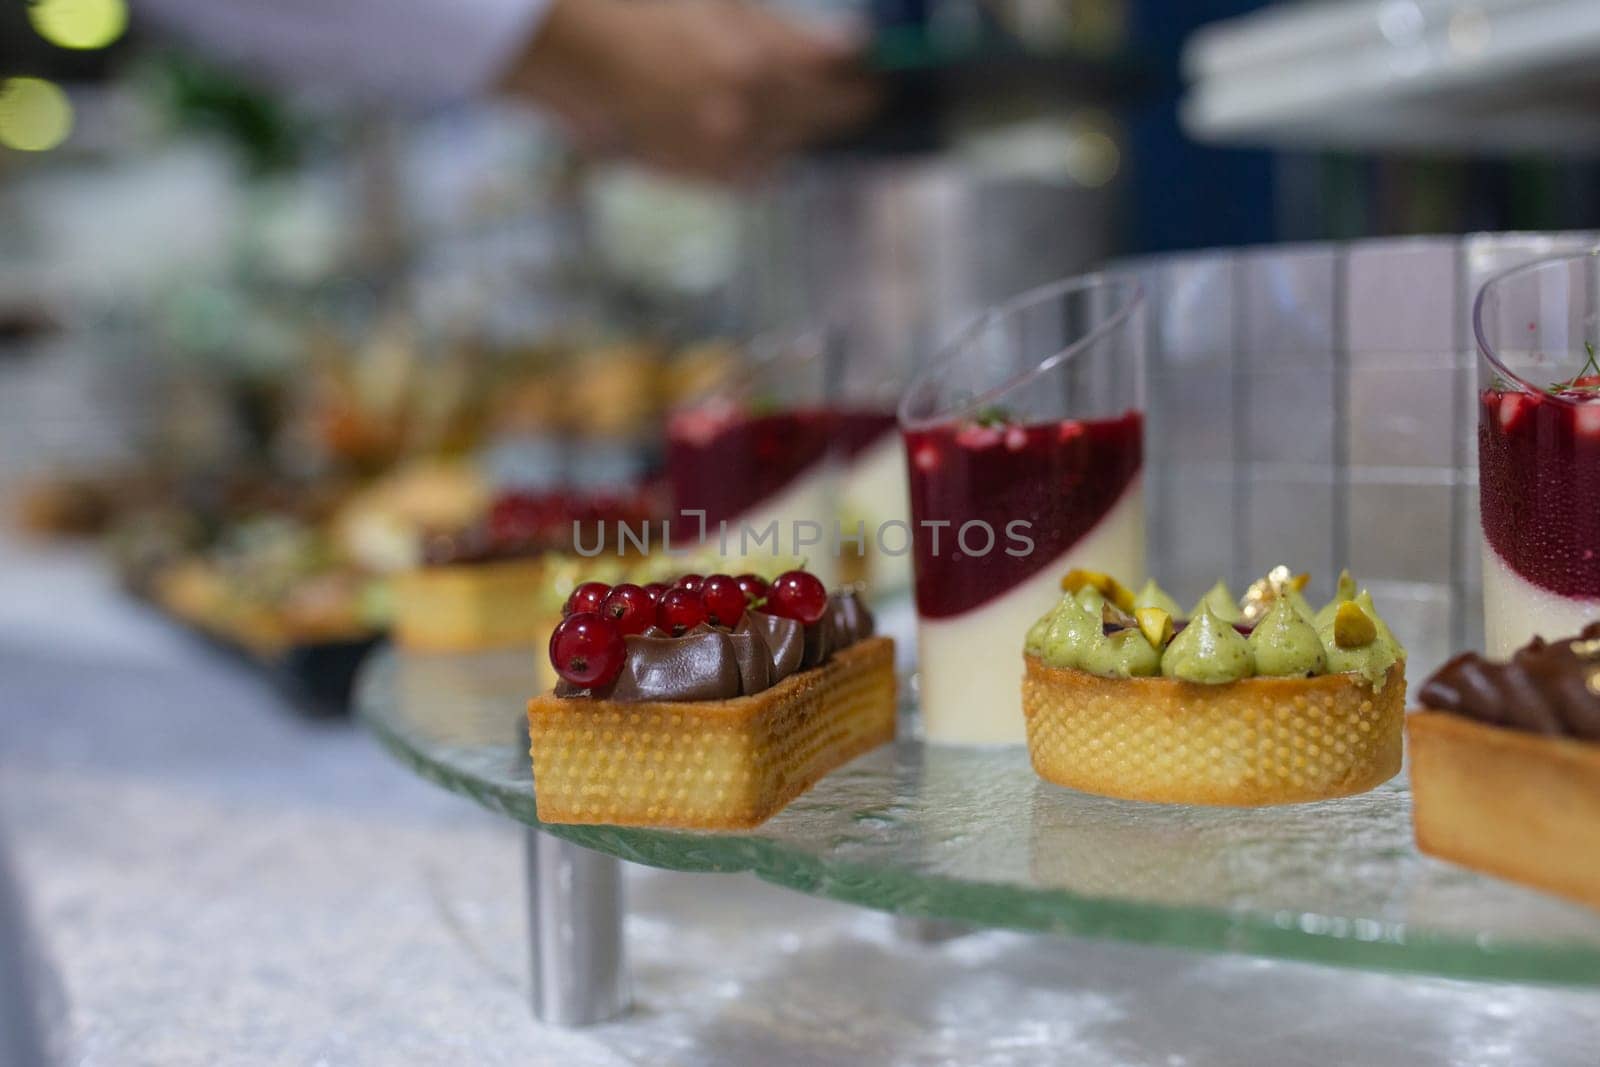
<point x="575" y="926"/>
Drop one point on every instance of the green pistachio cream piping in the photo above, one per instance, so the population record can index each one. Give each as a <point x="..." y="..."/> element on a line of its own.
<point x="1371" y="660"/>
<point x="1364" y="602"/>
<point x="1220" y="602"/>
<point x="1346" y="591"/>
<point x="1153" y="596"/>
<point x="1070" y="629"/>
<point x="1092" y="600"/>
<point x="1033" y="643"/>
<point x="1290" y="641"/>
<point x="1298" y="602"/>
<point x="1286" y="644"/>
<point x="1124" y="654"/>
<point x="1209" y="650"/>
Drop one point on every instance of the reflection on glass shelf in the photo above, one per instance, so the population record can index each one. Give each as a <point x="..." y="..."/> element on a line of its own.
<point x="973" y="835"/>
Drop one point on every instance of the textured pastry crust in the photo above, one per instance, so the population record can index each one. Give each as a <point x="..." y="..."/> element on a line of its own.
<point x="711" y="764"/>
<point x="1248" y="743"/>
<point x="473" y="607"/>
<point x="1518" y="805"/>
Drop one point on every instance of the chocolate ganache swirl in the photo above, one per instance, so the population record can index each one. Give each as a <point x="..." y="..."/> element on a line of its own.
<point x="1548" y="688"/>
<point x="710" y="663"/>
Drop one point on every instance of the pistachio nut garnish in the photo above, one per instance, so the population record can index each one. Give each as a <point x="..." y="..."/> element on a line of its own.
<point x="1352" y="627"/>
<point x="1114" y="591"/>
<point x="1156" y="625"/>
<point x="1346" y="590"/>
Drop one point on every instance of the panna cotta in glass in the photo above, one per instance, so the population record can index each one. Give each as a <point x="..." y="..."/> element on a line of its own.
<point x="873" y="497"/>
<point x="757" y="458"/>
<point x="1539" y="451"/>
<point x="874" y="358"/>
<point x="1025" y="456"/>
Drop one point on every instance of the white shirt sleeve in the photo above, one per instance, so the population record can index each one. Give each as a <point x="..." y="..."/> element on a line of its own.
<point x="408" y="52"/>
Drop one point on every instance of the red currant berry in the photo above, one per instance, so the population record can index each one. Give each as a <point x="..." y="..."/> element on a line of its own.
<point x="655" y="589"/>
<point x="753" y="586"/>
<point x="586" y="597"/>
<point x="587" y="650"/>
<point x="629" y="608"/>
<point x="798" y="595"/>
<point x="724" y="600"/>
<point x="680" y="611"/>
<point x="691" y="582"/>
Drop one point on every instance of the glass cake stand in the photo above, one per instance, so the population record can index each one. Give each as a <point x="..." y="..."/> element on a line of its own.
<point x="972" y="836"/>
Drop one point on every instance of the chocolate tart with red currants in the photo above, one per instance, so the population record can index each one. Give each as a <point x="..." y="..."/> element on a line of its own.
<point x="707" y="704"/>
<point x="491" y="585"/>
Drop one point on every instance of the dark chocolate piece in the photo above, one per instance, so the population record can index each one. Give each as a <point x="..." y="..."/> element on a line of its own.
<point x="700" y="665"/>
<point x="852" y="621"/>
<point x="785" y="638"/>
<point x="754" y="657"/>
<point x="1546" y="688"/>
<point x="713" y="664"/>
<point x="846" y="621"/>
<point x="818" y="642"/>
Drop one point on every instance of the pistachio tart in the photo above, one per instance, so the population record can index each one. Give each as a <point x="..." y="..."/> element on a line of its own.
<point x="1241" y="704"/>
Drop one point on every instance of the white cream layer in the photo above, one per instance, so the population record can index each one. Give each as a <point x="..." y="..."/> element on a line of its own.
<point x="970" y="667"/>
<point x="809" y="498"/>
<point x="874" y="490"/>
<point x="1514" y="609"/>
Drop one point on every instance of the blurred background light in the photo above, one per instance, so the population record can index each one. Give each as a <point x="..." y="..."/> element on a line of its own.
<point x="35" y="115"/>
<point x="1092" y="157"/>
<point x="80" y="24"/>
<point x="1469" y="31"/>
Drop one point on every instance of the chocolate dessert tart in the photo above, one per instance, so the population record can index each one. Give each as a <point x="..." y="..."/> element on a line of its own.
<point x="491" y="585"/>
<point x="1242" y="706"/>
<point x="1505" y="765"/>
<point x="709" y="704"/>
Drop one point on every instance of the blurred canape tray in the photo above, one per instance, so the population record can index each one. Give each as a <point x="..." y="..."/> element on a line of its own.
<point x="314" y="668"/>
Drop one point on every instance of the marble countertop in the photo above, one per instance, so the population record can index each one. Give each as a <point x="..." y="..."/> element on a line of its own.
<point x="207" y="878"/>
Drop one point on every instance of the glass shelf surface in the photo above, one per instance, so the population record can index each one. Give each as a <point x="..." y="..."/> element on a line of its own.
<point x="974" y="835"/>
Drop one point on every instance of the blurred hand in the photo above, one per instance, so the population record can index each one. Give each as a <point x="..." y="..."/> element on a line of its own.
<point x="701" y="88"/>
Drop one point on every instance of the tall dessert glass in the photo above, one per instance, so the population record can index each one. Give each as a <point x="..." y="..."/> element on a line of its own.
<point x="1025" y="453"/>
<point x="755" y="456"/>
<point x="1538" y="330"/>
<point x="873" y="374"/>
